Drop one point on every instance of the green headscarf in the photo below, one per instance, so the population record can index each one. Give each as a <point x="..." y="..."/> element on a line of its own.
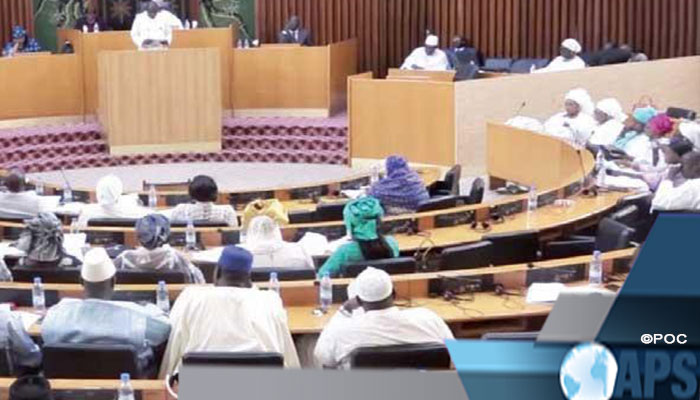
<point x="362" y="216"/>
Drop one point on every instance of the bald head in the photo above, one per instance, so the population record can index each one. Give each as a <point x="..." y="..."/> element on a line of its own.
<point x="691" y="165"/>
<point x="152" y="9"/>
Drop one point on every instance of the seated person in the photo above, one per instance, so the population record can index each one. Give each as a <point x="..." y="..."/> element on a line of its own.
<point x="567" y="60"/>
<point x="610" y="118"/>
<point x="16" y="202"/>
<point x="89" y="21"/>
<point x="576" y="123"/>
<point x="691" y="131"/>
<point x="401" y="191"/>
<point x="469" y="54"/>
<point x="684" y="196"/>
<point x="153" y="28"/>
<point x="294" y="33"/>
<point x="111" y="203"/>
<point x="661" y="126"/>
<point x="21" y="43"/>
<point x="264" y="240"/>
<point x="42" y="242"/>
<point x="380" y="322"/>
<point x="635" y="140"/>
<point x="24" y="354"/>
<point x="362" y="219"/>
<point x="153" y="232"/>
<point x="231" y="316"/>
<point x="673" y="153"/>
<point x="98" y="320"/>
<point x="204" y="192"/>
<point x="272" y="208"/>
<point x="428" y="57"/>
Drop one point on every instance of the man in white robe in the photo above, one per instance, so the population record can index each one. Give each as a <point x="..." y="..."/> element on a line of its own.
<point x="232" y="316"/>
<point x="568" y="60"/>
<point x="428" y="57"/>
<point x="371" y="319"/>
<point x="610" y="117"/>
<point x="683" y="196"/>
<point x="153" y="28"/>
<point x="576" y="123"/>
<point x="111" y="203"/>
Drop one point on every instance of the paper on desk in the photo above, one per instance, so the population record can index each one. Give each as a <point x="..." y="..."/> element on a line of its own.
<point x="49" y="203"/>
<point x="544" y="292"/>
<point x="207" y="256"/>
<point x="28" y="319"/>
<point x="7" y="250"/>
<point x="69" y="209"/>
<point x="314" y="244"/>
<point x="74" y="244"/>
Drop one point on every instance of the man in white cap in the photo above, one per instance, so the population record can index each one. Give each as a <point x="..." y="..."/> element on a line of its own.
<point x="97" y="320"/>
<point x="111" y="203"/>
<point x="610" y="118"/>
<point x="380" y="323"/>
<point x="428" y="57"/>
<point x="567" y="60"/>
<point x="575" y="124"/>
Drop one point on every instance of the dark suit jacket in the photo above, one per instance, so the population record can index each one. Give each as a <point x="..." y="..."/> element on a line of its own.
<point x="304" y="37"/>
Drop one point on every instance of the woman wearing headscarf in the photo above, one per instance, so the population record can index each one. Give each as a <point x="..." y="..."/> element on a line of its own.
<point x="111" y="203"/>
<point x="362" y="219"/>
<point x="21" y="43"/>
<point x="155" y="254"/>
<point x="272" y="208"/>
<point x="610" y="118"/>
<point x="42" y="242"/>
<point x="402" y="190"/>
<point x="634" y="139"/>
<point x="567" y="60"/>
<point x="576" y="123"/>
<point x="264" y="241"/>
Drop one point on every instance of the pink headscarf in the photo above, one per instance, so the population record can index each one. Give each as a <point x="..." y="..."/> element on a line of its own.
<point x="660" y="125"/>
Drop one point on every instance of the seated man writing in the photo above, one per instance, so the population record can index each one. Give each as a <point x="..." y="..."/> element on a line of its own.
<point x="153" y="28"/>
<point x="428" y="57"/>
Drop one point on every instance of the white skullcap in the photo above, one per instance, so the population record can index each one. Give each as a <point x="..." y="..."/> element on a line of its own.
<point x="612" y="108"/>
<point x="431" y="40"/>
<point x="582" y="98"/>
<point x="109" y="189"/>
<point x="691" y="131"/>
<point x="97" y="266"/>
<point x="373" y="285"/>
<point x="572" y="44"/>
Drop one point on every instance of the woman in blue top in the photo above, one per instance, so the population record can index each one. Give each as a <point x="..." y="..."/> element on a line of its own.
<point x="21" y="43"/>
<point x="362" y="218"/>
<point x="402" y="190"/>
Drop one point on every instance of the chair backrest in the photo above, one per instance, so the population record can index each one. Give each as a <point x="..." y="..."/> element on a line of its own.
<point x="407" y="356"/>
<point x="47" y="275"/>
<point x="267" y="359"/>
<point x="437" y="203"/>
<point x="532" y="335"/>
<point x="498" y="64"/>
<point x="79" y="361"/>
<point x="301" y="216"/>
<point x="627" y="215"/>
<point x="452" y="177"/>
<point x="122" y="222"/>
<point x="514" y="247"/>
<point x="476" y="194"/>
<point x="681" y="113"/>
<point x="330" y="211"/>
<point x="125" y="276"/>
<point x="474" y="255"/>
<point x="612" y="235"/>
<point x="399" y="265"/>
<point x="283" y="274"/>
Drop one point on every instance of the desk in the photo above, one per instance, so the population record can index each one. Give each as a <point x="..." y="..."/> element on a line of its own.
<point x="150" y="389"/>
<point x="292" y="80"/>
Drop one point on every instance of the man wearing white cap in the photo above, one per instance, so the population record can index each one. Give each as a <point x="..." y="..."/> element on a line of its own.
<point x="428" y="57"/>
<point x="575" y="124"/>
<point x="567" y="60"/>
<point x="610" y="118"/>
<point x="111" y="203"/>
<point x="381" y="323"/>
<point x="97" y="320"/>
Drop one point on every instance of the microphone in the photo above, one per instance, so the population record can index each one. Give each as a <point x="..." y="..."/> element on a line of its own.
<point x="520" y="109"/>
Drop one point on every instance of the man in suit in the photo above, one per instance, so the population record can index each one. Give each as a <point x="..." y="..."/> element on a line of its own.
<point x="294" y="33"/>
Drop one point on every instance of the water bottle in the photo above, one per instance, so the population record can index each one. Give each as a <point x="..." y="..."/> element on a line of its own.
<point x="375" y="174"/>
<point x="326" y="292"/>
<point x="532" y="199"/>
<point x="152" y="197"/>
<point x="187" y="24"/>
<point x="96" y="27"/>
<point x="38" y="299"/>
<point x="239" y="44"/>
<point x="39" y="188"/>
<point x="74" y="227"/>
<point x="190" y="236"/>
<point x="274" y="282"/>
<point x="195" y="24"/>
<point x="162" y="298"/>
<point x="600" y="167"/>
<point x="67" y="193"/>
<point x="246" y="43"/>
<point x="595" y="271"/>
<point x="85" y="29"/>
<point x="126" y="391"/>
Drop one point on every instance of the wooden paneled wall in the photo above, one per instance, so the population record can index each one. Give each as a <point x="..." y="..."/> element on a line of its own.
<point x="388" y="29"/>
<point x="15" y="12"/>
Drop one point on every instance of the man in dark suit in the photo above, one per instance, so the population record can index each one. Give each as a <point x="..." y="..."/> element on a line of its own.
<point x="294" y="33"/>
<point x="461" y="46"/>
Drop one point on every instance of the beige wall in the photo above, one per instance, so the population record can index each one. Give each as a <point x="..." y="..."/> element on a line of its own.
<point x="673" y="82"/>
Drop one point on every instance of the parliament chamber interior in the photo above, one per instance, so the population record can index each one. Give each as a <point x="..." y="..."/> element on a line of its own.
<point x="322" y="184"/>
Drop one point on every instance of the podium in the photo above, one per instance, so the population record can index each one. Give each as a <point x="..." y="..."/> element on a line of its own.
<point x="160" y="101"/>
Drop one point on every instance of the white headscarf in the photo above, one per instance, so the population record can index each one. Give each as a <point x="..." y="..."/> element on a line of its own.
<point x="263" y="233"/>
<point x="582" y="98"/>
<point x="572" y="44"/>
<point x="109" y="190"/>
<point x="431" y="40"/>
<point x="612" y="108"/>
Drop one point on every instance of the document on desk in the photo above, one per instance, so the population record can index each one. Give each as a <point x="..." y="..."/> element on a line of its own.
<point x="544" y="292"/>
<point x="28" y="319"/>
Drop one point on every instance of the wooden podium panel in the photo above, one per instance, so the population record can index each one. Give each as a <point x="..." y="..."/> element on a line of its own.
<point x="436" y="76"/>
<point x="161" y="101"/>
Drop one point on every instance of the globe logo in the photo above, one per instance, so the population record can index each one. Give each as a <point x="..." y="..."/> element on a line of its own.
<point x="588" y="371"/>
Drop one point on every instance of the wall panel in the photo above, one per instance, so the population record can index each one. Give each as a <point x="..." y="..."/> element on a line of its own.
<point x="387" y="30"/>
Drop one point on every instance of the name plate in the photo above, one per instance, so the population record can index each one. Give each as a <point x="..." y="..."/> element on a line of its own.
<point x="453" y="219"/>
